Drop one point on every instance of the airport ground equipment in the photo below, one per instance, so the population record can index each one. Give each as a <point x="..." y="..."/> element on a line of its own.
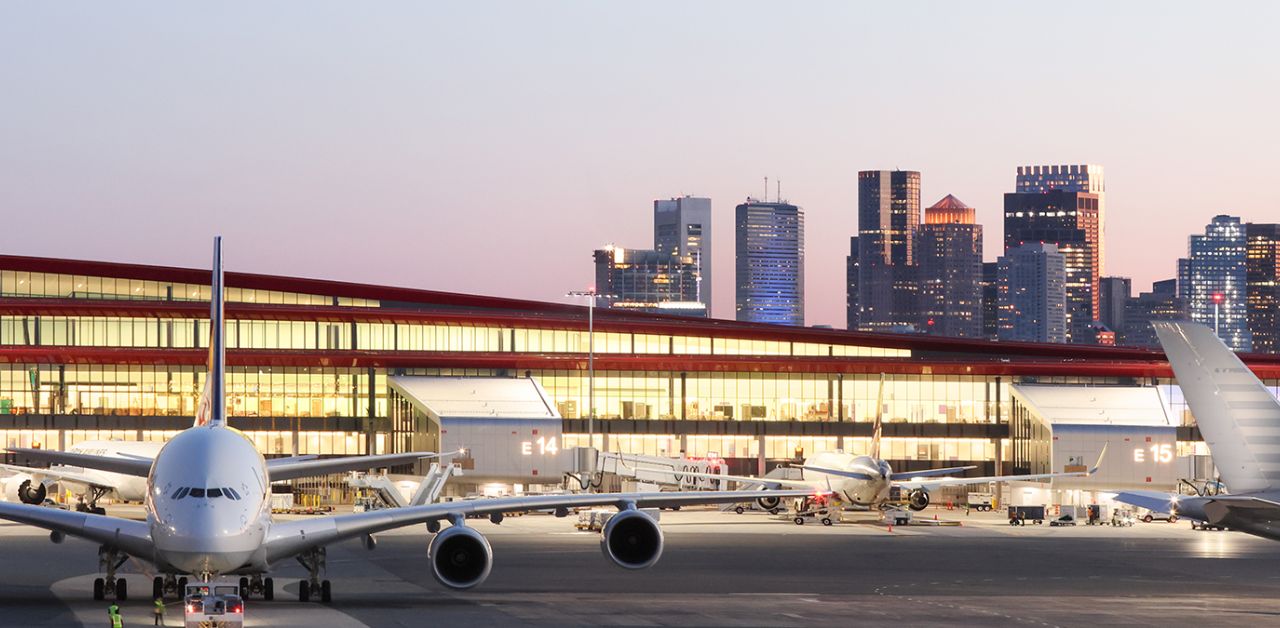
<point x="387" y="495"/>
<point x="1160" y="516"/>
<point x="982" y="502"/>
<point x="1065" y="520"/>
<point x="1020" y="515"/>
<point x="207" y="605"/>
<point x="897" y="516"/>
<point x="1122" y="517"/>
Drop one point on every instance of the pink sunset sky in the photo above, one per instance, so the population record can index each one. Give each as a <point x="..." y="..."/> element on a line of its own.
<point x="489" y="147"/>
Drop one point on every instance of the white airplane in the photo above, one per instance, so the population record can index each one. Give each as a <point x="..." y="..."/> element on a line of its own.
<point x="866" y="481"/>
<point x="1240" y="420"/>
<point x="208" y="511"/>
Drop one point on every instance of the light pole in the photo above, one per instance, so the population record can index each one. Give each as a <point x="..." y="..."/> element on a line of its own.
<point x="591" y="297"/>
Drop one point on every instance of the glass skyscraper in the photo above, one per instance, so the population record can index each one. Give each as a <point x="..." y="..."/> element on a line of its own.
<point x="1032" y="294"/>
<point x="1263" y="276"/>
<point x="1068" y="220"/>
<point x="682" y="227"/>
<point x="770" y="263"/>
<point x="1213" y="278"/>
<point x="1086" y="178"/>
<point x="647" y="281"/>
<point x="949" y="250"/>
<point x="888" y="218"/>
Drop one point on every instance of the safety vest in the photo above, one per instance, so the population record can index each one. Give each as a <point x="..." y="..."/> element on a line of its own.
<point x="117" y="621"/>
<point x="159" y="607"/>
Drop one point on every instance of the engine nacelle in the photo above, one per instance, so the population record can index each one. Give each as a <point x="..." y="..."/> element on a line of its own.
<point x="460" y="557"/>
<point x="632" y="540"/>
<point x="918" y="499"/>
<point x="21" y="488"/>
<point x="768" y="503"/>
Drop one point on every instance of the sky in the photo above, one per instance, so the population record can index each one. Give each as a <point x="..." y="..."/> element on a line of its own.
<point x="489" y="147"/>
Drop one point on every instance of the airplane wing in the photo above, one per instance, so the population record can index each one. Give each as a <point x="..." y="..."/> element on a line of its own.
<point x="744" y="479"/>
<point x="934" y="483"/>
<point x="57" y="475"/>
<point x="857" y="475"/>
<point x="1243" y="511"/>
<point x="928" y="473"/>
<point x="275" y="462"/>
<point x="288" y="538"/>
<point x="1155" y="501"/>
<point x="288" y="469"/>
<point x="135" y="466"/>
<point x="131" y="537"/>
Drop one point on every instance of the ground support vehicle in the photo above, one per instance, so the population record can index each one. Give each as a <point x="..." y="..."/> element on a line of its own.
<point x="1020" y="515"/>
<point x="982" y="502"/>
<point x="211" y="605"/>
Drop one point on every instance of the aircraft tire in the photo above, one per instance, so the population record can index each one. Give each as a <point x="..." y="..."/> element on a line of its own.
<point x="799" y="521"/>
<point x="122" y="589"/>
<point x="325" y="595"/>
<point x="157" y="587"/>
<point x="99" y="589"/>
<point x="304" y="591"/>
<point x="268" y="589"/>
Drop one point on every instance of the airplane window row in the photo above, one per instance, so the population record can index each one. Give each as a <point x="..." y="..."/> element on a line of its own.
<point x="185" y="491"/>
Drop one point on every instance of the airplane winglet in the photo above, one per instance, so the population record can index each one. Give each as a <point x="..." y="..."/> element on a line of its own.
<point x="1098" y="465"/>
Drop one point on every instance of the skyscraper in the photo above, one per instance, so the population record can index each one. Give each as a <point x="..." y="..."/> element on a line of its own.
<point x="1262" y="270"/>
<point x="682" y="226"/>
<point x="888" y="217"/>
<point x="1071" y="178"/>
<point x="1212" y="279"/>
<point x="1033" y="294"/>
<point x="990" y="300"/>
<point x="770" y="262"/>
<point x="852" y="310"/>
<point x="1112" y="301"/>
<point x="949" y="255"/>
<point x="1161" y="304"/>
<point x="1068" y="220"/>
<point x="647" y="281"/>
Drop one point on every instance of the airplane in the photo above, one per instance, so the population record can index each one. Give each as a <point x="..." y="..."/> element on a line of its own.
<point x="867" y="481"/>
<point x="208" y="509"/>
<point x="1240" y="421"/>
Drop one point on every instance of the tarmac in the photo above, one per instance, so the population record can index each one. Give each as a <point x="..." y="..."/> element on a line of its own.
<point x="722" y="569"/>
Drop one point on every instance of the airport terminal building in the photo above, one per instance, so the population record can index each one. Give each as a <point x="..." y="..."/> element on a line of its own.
<point x="97" y="350"/>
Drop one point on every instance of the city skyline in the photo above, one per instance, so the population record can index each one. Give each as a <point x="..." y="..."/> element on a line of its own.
<point x="132" y="124"/>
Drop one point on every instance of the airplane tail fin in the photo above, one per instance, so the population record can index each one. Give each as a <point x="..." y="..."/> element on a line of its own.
<point x="1236" y="413"/>
<point x="877" y="429"/>
<point x="212" y="409"/>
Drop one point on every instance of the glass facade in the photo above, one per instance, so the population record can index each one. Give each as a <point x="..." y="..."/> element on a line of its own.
<point x="770" y="263"/>
<point x="888" y="217"/>
<point x="1212" y="281"/>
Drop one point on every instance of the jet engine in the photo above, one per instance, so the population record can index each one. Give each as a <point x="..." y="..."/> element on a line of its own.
<point x="22" y="488"/>
<point x="632" y="540"/>
<point x="460" y="557"/>
<point x="918" y="499"/>
<point x="768" y="503"/>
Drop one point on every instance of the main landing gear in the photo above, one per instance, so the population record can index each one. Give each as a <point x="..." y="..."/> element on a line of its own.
<point x="92" y="498"/>
<point x="314" y="561"/>
<point x="109" y="560"/>
<point x="257" y="585"/>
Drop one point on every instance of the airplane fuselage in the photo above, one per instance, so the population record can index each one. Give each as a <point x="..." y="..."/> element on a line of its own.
<point x="208" y="503"/>
<point x="871" y="491"/>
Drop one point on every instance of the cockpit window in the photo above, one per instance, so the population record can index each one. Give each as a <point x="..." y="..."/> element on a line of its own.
<point x="230" y="492"/>
<point x="180" y="493"/>
<point x="213" y="492"/>
<point x="197" y="492"/>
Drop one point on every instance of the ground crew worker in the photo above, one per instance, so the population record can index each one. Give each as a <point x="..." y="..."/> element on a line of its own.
<point x="113" y="610"/>
<point x="158" y="611"/>
<point x="117" y="621"/>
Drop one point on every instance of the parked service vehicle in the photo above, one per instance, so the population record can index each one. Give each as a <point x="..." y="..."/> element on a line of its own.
<point x="1205" y="525"/>
<point x="213" y="606"/>
<point x="1064" y="520"/>
<point x="983" y="502"/>
<point x="1160" y="516"/>
<point x="1020" y="515"/>
<point x="1123" y="517"/>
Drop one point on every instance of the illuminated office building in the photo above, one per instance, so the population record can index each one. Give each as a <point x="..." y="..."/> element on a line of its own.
<point x="1069" y="221"/>
<point x="949" y="273"/>
<point x="647" y="281"/>
<point x="1212" y="281"/>
<point x="1262" y="267"/>
<point x="1161" y="304"/>
<point x="1032" y="294"/>
<point x="1087" y="178"/>
<point x="97" y="350"/>
<point x="888" y="217"/>
<point x="682" y="227"/>
<point x="770" y="263"/>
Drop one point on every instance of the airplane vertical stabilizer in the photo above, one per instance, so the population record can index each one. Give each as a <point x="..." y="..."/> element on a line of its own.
<point x="1237" y="414"/>
<point x="213" y="401"/>
<point x="877" y="430"/>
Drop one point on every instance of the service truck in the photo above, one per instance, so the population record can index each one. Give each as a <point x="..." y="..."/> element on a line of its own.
<point x="212" y="605"/>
